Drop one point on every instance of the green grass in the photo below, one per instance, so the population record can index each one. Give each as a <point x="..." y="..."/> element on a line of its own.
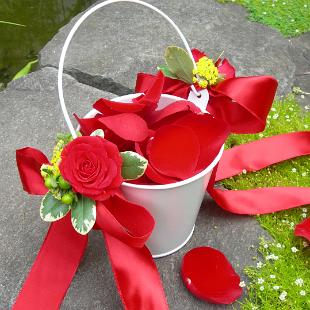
<point x="286" y="116"/>
<point x="290" y="17"/>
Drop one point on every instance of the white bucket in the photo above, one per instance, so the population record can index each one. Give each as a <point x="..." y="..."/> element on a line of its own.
<point x="174" y="206"/>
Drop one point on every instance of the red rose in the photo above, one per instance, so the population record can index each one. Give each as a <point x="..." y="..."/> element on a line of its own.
<point x="92" y="165"/>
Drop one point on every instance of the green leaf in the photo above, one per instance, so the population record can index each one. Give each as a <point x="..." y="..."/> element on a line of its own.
<point x="52" y="209"/>
<point x="25" y="70"/>
<point x="11" y="23"/>
<point x="134" y="165"/>
<point x="180" y="63"/>
<point x="165" y="70"/>
<point x="83" y="214"/>
<point x="98" y="132"/>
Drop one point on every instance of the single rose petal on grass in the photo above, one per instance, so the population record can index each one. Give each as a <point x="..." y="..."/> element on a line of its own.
<point x="211" y="134"/>
<point x="207" y="274"/>
<point x="303" y="229"/>
<point x="174" y="151"/>
<point x="128" y="126"/>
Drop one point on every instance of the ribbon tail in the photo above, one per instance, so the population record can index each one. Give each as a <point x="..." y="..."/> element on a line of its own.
<point x="53" y="269"/>
<point x="136" y="276"/>
<point x="261" y="200"/>
<point x="255" y="156"/>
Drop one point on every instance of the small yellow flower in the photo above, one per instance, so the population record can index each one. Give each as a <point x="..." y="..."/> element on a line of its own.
<point x="206" y="73"/>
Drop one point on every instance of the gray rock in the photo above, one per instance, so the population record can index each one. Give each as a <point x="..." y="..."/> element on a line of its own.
<point x="30" y="115"/>
<point x="122" y="39"/>
<point x="300" y="54"/>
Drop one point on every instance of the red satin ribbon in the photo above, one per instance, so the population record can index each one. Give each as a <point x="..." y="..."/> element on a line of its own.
<point x="136" y="275"/>
<point x="255" y="156"/>
<point x="54" y="268"/>
<point x="242" y="102"/>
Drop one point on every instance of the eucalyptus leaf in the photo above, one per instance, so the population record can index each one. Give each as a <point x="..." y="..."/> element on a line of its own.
<point x="83" y="214"/>
<point x="134" y="165"/>
<point x="165" y="70"/>
<point x="98" y="132"/>
<point x="52" y="209"/>
<point x="179" y="63"/>
<point x="24" y="71"/>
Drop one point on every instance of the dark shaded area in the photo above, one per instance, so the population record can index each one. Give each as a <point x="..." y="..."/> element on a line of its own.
<point x="19" y="45"/>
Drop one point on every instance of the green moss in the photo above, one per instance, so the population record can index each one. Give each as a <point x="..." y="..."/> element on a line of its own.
<point x="286" y="116"/>
<point x="290" y="17"/>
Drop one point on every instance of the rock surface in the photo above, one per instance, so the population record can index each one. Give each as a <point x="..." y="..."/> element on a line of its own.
<point x="122" y="39"/>
<point x="30" y="116"/>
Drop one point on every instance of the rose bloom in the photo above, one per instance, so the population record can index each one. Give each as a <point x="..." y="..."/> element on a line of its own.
<point x="92" y="165"/>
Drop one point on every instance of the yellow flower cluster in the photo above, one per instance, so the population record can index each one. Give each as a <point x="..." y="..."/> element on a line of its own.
<point x="52" y="171"/>
<point x="206" y="73"/>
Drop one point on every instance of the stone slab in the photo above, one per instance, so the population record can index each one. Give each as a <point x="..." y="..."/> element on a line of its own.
<point x="30" y="116"/>
<point x="122" y="39"/>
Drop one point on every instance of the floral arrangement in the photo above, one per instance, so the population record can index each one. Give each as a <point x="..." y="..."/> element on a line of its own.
<point x="81" y="172"/>
<point x="141" y="143"/>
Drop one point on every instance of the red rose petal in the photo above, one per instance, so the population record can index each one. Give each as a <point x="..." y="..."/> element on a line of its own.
<point x="174" y="151"/>
<point x="151" y="173"/>
<point x="152" y="95"/>
<point x="128" y="126"/>
<point x="173" y="108"/>
<point x="207" y="274"/>
<point x="210" y="132"/>
<point x="88" y="125"/>
<point x="197" y="54"/>
<point x="303" y="229"/>
<point x="108" y="107"/>
<point x="147" y="101"/>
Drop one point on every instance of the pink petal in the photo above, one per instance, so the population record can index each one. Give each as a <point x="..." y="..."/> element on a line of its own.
<point x="207" y="274"/>
<point x="174" y="151"/>
<point x="128" y="126"/>
<point x="303" y="229"/>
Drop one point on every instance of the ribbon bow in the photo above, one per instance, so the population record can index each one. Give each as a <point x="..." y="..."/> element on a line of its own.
<point x="125" y="227"/>
<point x="243" y="103"/>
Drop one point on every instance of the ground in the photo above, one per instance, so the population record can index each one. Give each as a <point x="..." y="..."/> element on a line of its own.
<point x="102" y="61"/>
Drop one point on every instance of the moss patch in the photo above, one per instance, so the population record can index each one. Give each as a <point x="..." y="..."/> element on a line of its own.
<point x="275" y="282"/>
<point x="290" y="17"/>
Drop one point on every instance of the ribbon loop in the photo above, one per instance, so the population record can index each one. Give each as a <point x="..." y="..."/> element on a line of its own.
<point x="126" y="221"/>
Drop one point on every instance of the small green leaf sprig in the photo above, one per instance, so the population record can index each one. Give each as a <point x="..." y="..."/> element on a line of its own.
<point x="179" y="65"/>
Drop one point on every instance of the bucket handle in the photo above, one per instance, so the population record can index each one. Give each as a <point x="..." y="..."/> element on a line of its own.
<point x="75" y="28"/>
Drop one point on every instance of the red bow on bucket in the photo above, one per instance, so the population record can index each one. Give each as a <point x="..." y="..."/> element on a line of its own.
<point x="243" y="103"/>
<point x="125" y="227"/>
